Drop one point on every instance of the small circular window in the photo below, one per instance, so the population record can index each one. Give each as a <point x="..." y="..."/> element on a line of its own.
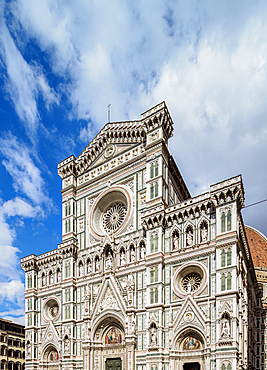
<point x="51" y="309"/>
<point x="189" y="279"/>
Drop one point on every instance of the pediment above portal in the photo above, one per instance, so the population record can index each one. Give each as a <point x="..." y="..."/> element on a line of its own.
<point x="109" y="298"/>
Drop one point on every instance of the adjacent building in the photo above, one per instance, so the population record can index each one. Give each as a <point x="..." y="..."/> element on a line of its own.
<point x="147" y="277"/>
<point x="12" y="345"/>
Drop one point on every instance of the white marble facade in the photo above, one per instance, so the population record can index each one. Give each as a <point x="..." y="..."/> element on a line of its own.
<point x="146" y="277"/>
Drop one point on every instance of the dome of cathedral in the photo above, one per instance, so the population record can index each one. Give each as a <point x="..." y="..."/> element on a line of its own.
<point x="258" y="246"/>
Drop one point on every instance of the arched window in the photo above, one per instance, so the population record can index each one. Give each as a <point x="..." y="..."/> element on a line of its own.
<point x="223" y="282"/>
<point x="156" y="242"/>
<point x="229" y="281"/>
<point x="156" y="169"/>
<point x="229" y="222"/>
<point x="152" y="275"/>
<point x="223" y="223"/>
<point x="156" y="295"/>
<point x="229" y="257"/>
<point x="151" y="191"/>
<point x="152" y="171"/>
<point x="152" y="244"/>
<point x="223" y="258"/>
<point x="151" y="296"/>
<point x="156" y="273"/>
<point x="223" y="367"/>
<point x="229" y="367"/>
<point x="156" y="189"/>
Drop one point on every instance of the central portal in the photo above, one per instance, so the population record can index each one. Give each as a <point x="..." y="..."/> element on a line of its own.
<point x="192" y="366"/>
<point x="113" y="364"/>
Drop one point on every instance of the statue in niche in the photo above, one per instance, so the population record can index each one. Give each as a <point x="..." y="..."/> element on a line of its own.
<point x="108" y="260"/>
<point x="89" y="267"/>
<point x="43" y="280"/>
<point x="142" y="251"/>
<point x="153" y="335"/>
<point x="132" y="254"/>
<point x="97" y="264"/>
<point x="204" y="233"/>
<point x="80" y="268"/>
<point x="58" y="275"/>
<point x="189" y="237"/>
<point x="66" y="344"/>
<point x="225" y="325"/>
<point x="175" y="240"/>
<point x="122" y="257"/>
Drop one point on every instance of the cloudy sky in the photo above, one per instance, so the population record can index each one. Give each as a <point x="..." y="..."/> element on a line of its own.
<point x="62" y="62"/>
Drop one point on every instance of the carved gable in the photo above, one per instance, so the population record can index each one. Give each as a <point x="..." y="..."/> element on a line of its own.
<point x="109" y="298"/>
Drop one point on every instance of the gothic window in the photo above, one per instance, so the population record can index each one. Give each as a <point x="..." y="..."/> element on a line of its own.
<point x="175" y="240"/>
<point x="156" y="189"/>
<point x="223" y="258"/>
<point x="229" y="257"/>
<point x="30" y="320"/>
<point x="156" y="295"/>
<point x="154" y="273"/>
<point x="229" y="222"/>
<point x="67" y="209"/>
<point x="67" y="269"/>
<point x="151" y="191"/>
<point x="156" y="169"/>
<point x="223" y="282"/>
<point x="152" y="276"/>
<point x="229" y="281"/>
<point x="29" y="281"/>
<point x="156" y="242"/>
<point x="152" y="244"/>
<point x="223" y="223"/>
<point x="67" y="312"/>
<point x="29" y="304"/>
<point x="151" y="296"/>
<point x="152" y="171"/>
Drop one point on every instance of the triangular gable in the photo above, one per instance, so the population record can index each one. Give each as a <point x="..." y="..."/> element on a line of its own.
<point x="50" y="336"/>
<point x="116" y="149"/>
<point x="189" y="314"/>
<point x="109" y="298"/>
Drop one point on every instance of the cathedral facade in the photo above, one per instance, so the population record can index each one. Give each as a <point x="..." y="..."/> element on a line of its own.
<point x="146" y="277"/>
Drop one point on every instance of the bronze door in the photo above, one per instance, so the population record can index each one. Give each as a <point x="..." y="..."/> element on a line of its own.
<point x="113" y="364"/>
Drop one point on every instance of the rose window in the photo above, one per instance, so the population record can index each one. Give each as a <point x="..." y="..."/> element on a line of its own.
<point x="191" y="282"/>
<point x="114" y="217"/>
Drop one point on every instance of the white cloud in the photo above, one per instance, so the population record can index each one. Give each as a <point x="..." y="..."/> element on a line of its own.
<point x="24" y="82"/>
<point x="26" y="176"/>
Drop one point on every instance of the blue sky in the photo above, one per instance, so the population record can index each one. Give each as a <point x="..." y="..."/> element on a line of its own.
<point x="62" y="62"/>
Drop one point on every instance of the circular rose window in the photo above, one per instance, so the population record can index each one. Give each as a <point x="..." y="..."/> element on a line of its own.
<point x="189" y="279"/>
<point x="51" y="309"/>
<point x="111" y="212"/>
